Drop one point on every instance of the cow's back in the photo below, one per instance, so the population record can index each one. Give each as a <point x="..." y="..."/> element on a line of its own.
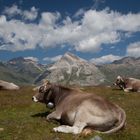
<point x="87" y="100"/>
<point x="134" y="83"/>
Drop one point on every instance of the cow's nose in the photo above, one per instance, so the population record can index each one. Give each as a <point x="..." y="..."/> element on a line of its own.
<point x="114" y="84"/>
<point x="34" y="99"/>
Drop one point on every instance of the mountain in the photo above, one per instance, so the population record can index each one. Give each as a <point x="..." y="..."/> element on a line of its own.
<point x="8" y="74"/>
<point x="69" y="70"/>
<point x="127" y="66"/>
<point x="20" y="70"/>
<point x="72" y="70"/>
<point x="127" y="60"/>
<point x="25" y="66"/>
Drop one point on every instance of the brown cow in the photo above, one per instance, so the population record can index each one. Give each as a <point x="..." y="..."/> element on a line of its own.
<point x="78" y="111"/>
<point x="128" y="84"/>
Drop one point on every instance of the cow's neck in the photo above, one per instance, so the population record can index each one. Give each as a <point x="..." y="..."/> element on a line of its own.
<point x="59" y="94"/>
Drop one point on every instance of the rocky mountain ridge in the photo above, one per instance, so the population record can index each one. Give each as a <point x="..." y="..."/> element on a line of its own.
<point x="73" y="70"/>
<point x="70" y="70"/>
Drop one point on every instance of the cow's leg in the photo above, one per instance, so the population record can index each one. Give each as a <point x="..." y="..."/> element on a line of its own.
<point x="127" y="89"/>
<point x="54" y="116"/>
<point x="79" y="124"/>
<point x="76" y="129"/>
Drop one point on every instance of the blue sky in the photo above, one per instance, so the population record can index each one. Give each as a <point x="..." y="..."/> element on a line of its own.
<point x="97" y="30"/>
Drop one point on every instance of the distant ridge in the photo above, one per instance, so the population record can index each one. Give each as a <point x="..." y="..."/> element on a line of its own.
<point x="20" y="70"/>
<point x="127" y="67"/>
<point x="69" y="70"/>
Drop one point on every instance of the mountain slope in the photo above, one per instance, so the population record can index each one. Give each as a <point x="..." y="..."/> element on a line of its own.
<point x="8" y="74"/>
<point x="128" y="67"/>
<point x="25" y="66"/>
<point x="20" y="70"/>
<point x="72" y="70"/>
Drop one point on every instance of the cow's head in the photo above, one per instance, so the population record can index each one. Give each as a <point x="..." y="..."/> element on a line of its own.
<point x="44" y="93"/>
<point x="120" y="82"/>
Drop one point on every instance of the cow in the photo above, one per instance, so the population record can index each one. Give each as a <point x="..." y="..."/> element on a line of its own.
<point x="128" y="84"/>
<point x="8" y="86"/>
<point x="78" y="111"/>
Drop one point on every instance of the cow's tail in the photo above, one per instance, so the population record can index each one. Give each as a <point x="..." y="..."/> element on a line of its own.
<point x="121" y="123"/>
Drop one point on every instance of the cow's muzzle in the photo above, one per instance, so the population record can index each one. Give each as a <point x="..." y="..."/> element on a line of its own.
<point x="34" y="99"/>
<point x="114" y="84"/>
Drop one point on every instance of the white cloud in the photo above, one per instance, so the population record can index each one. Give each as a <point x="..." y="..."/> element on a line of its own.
<point x="30" y="15"/>
<point x="79" y="12"/>
<point x="49" y="19"/>
<point x="26" y="14"/>
<point x="12" y="11"/>
<point x="96" y="3"/>
<point x="18" y="36"/>
<point x="105" y="59"/>
<point x="2" y="19"/>
<point x="35" y="59"/>
<point x="133" y="49"/>
<point x="87" y="34"/>
<point x="94" y="43"/>
<point x="52" y="59"/>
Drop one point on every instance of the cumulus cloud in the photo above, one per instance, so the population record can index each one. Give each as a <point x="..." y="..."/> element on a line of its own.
<point x="17" y="35"/>
<point x="2" y="19"/>
<point x="96" y="3"/>
<point x="87" y="34"/>
<point x="79" y="12"/>
<point x="133" y="49"/>
<point x="105" y="59"/>
<point x="26" y="14"/>
<point x="48" y="18"/>
<point x="12" y="11"/>
<point x="52" y="59"/>
<point x="30" y="15"/>
<point x="35" y="59"/>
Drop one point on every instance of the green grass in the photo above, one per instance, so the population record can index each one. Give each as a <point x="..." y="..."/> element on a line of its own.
<point x="23" y="119"/>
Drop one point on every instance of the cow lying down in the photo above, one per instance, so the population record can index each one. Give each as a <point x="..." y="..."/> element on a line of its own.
<point x="128" y="84"/>
<point x="8" y="86"/>
<point x="79" y="111"/>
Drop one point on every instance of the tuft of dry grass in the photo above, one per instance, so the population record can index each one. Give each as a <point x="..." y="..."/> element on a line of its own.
<point x="22" y="119"/>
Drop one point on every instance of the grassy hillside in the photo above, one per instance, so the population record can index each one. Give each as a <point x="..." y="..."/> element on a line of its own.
<point x="9" y="75"/>
<point x="23" y="119"/>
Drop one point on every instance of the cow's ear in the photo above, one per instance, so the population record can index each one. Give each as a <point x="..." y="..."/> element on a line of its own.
<point x="122" y="79"/>
<point x="46" y="82"/>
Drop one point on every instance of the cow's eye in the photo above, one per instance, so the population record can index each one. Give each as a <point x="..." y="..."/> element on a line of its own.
<point x="41" y="89"/>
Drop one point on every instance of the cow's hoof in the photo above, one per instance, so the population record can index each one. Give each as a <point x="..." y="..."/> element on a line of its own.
<point x="55" y="129"/>
<point x="48" y="118"/>
<point x="126" y="90"/>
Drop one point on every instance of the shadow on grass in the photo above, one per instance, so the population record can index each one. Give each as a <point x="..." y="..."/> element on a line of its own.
<point x="42" y="114"/>
<point x="117" y="89"/>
